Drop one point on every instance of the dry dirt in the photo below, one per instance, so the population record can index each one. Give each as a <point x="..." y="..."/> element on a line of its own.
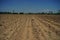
<point x="29" y="27"/>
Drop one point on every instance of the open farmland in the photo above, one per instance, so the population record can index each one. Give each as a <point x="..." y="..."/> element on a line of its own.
<point x="29" y="27"/>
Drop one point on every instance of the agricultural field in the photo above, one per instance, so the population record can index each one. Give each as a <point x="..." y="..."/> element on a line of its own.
<point x="29" y="27"/>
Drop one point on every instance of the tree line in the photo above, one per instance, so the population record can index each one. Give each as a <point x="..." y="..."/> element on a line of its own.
<point x="49" y="13"/>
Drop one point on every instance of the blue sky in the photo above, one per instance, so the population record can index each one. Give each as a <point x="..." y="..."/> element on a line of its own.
<point x="29" y="5"/>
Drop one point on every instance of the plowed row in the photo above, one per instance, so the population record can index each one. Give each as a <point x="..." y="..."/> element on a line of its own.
<point x="29" y="27"/>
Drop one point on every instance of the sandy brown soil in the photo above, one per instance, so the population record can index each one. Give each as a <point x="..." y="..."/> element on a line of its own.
<point x="29" y="27"/>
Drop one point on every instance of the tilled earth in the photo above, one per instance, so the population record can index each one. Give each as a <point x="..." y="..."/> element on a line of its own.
<point x="29" y="27"/>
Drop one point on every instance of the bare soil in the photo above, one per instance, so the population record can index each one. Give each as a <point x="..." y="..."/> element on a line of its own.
<point x="29" y="27"/>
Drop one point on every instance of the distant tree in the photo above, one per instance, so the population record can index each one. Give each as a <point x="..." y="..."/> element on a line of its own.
<point x="42" y="13"/>
<point x="38" y="13"/>
<point x="30" y="13"/>
<point x="58" y="12"/>
<point x="13" y="11"/>
<point x="50" y="12"/>
<point x="21" y="13"/>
